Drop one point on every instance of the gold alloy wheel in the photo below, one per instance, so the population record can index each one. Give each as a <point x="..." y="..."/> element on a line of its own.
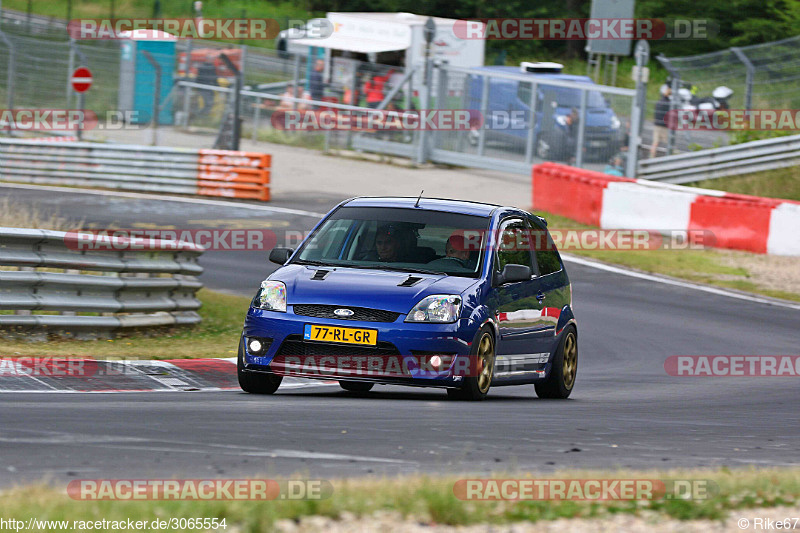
<point x="570" y="360"/>
<point x="486" y="362"/>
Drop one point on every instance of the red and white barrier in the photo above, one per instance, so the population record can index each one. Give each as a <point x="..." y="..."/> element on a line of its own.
<point x="737" y="221"/>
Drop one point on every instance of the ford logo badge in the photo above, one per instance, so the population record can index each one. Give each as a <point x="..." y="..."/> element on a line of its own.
<point x="343" y="312"/>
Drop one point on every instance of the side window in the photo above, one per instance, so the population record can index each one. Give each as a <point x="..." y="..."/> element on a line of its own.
<point x="547" y="257"/>
<point x="513" y="245"/>
<point x="524" y="92"/>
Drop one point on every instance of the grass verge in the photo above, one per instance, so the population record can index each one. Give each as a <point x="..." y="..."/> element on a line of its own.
<point x="429" y="500"/>
<point x="779" y="183"/>
<point x="216" y="336"/>
<point x="14" y="215"/>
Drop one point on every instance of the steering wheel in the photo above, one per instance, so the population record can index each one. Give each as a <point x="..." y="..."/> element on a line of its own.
<point x="458" y="261"/>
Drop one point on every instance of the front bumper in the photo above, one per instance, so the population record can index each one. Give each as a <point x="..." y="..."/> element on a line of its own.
<point x="396" y="358"/>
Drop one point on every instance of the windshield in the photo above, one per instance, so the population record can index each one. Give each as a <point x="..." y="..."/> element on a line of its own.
<point x="572" y="97"/>
<point x="406" y="240"/>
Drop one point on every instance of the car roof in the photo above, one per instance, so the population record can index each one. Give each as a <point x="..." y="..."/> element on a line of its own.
<point x="554" y="75"/>
<point x="464" y="207"/>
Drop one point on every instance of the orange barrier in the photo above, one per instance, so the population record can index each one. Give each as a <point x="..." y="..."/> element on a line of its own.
<point x="234" y="174"/>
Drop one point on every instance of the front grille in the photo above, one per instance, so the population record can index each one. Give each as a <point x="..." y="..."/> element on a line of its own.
<point x="295" y="345"/>
<point x="359" y="313"/>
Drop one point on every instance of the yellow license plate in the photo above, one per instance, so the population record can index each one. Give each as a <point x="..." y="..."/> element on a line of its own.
<point x="368" y="337"/>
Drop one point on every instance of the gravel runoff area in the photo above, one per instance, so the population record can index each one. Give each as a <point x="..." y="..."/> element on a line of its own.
<point x="647" y="522"/>
<point x="780" y="273"/>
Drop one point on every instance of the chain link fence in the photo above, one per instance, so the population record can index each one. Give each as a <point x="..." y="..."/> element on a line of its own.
<point x="35" y="72"/>
<point x="762" y="76"/>
<point x="524" y="119"/>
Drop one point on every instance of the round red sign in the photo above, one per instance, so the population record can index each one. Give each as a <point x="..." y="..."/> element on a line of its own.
<point x="81" y="79"/>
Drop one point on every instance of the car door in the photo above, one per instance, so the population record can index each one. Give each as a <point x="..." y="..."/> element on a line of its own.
<point x="524" y="332"/>
<point x="552" y="282"/>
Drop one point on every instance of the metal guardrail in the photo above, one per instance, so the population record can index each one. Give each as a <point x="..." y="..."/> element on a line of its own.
<point x="138" y="168"/>
<point x="755" y="156"/>
<point x="93" y="291"/>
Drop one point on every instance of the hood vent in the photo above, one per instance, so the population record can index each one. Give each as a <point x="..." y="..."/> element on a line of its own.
<point x="410" y="281"/>
<point x="320" y="274"/>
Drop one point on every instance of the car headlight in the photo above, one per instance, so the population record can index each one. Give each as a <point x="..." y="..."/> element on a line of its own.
<point x="271" y="296"/>
<point x="615" y="123"/>
<point x="439" y="308"/>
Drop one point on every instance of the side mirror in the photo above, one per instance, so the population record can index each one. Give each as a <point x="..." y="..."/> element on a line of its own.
<point x="280" y="255"/>
<point x="513" y="273"/>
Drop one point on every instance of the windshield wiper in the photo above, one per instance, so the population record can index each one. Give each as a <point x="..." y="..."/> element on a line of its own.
<point x="313" y="263"/>
<point x="399" y="269"/>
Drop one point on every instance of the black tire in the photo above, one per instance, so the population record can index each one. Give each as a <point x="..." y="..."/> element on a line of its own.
<point x="475" y="388"/>
<point x="255" y="382"/>
<point x="561" y="380"/>
<point x="356" y="386"/>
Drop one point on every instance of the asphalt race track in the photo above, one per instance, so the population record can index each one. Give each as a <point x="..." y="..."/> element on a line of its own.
<point x="625" y="411"/>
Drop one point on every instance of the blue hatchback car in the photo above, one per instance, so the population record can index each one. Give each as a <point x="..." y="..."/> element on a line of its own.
<point x="416" y="291"/>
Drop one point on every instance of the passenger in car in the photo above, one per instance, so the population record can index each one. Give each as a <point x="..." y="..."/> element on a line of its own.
<point x="392" y="244"/>
<point x="456" y="253"/>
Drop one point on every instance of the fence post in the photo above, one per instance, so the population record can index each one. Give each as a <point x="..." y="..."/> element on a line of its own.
<point x="531" y="141"/>
<point x="638" y="110"/>
<point x="354" y="101"/>
<point x="256" y="119"/>
<point x="441" y="102"/>
<point x="237" y="101"/>
<point x="673" y="104"/>
<point x="751" y="69"/>
<point x="83" y="62"/>
<point x="70" y="70"/>
<point x="637" y="121"/>
<point x="296" y="77"/>
<point x="484" y="107"/>
<point x="12" y="56"/>
<point x="581" y="129"/>
<point x="424" y="106"/>
<point x="187" y="95"/>
<point x="242" y="67"/>
<point x="156" y="94"/>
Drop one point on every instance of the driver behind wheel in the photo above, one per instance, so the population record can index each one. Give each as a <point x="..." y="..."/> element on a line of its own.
<point x="455" y="253"/>
<point x="456" y="248"/>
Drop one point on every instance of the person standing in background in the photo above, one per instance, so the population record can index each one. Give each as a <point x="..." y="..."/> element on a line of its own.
<point x="660" y="132"/>
<point x="315" y="84"/>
